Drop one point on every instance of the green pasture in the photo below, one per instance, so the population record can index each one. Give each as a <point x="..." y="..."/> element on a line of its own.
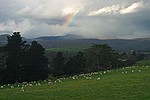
<point x="129" y="83"/>
<point x="69" y="48"/>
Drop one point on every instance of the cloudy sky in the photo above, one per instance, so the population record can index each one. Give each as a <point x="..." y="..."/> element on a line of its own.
<point x="90" y="18"/>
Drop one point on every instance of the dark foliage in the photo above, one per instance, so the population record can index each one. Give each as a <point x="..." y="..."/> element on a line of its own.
<point x="20" y="62"/>
<point x="75" y="64"/>
<point x="36" y="63"/>
<point x="58" y="64"/>
<point x="3" y="56"/>
<point x="15" y="47"/>
<point x="100" y="57"/>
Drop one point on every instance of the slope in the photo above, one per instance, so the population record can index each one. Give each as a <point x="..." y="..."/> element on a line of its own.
<point x="130" y="83"/>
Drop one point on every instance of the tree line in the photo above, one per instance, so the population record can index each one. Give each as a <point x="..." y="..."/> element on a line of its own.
<point x="21" y="62"/>
<point x="96" y="58"/>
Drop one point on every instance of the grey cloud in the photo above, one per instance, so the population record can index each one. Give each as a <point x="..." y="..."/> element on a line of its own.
<point x="119" y="26"/>
<point x="32" y="24"/>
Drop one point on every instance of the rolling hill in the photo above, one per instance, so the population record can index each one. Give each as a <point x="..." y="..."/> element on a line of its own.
<point x="142" y="44"/>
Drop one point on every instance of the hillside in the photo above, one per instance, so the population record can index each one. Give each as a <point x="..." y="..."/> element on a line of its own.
<point x="69" y="48"/>
<point x="69" y="40"/>
<point x="65" y="37"/>
<point x="117" y="44"/>
<point x="130" y="83"/>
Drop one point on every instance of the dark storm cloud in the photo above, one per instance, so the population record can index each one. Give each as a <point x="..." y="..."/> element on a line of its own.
<point x="91" y="18"/>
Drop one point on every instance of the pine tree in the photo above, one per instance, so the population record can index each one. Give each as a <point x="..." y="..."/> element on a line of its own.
<point x="100" y="57"/>
<point x="37" y="63"/>
<point x="3" y="55"/>
<point x="58" y="64"/>
<point x="75" y="64"/>
<point x="15" y="47"/>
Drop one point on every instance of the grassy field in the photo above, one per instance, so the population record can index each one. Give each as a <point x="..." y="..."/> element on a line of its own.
<point x="70" y="48"/>
<point x="130" y="83"/>
<point x="143" y="63"/>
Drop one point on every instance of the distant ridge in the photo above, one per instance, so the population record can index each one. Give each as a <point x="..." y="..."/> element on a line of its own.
<point x="141" y="39"/>
<point x="3" y="37"/>
<point x="139" y="44"/>
<point x="65" y="37"/>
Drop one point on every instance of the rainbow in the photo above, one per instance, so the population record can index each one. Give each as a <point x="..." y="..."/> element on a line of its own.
<point x="68" y="20"/>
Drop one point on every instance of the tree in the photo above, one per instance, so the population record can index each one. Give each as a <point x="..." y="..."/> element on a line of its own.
<point x="99" y="57"/>
<point x="58" y="64"/>
<point x="75" y="64"/>
<point x="3" y="56"/>
<point x="15" y="47"/>
<point x="20" y="62"/>
<point x="36" y="63"/>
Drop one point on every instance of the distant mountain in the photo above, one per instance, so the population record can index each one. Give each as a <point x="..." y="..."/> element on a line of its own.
<point x="140" y="44"/>
<point x="72" y="36"/>
<point x="142" y="39"/>
<point x="3" y="38"/>
<point x="46" y="38"/>
<point x="116" y="44"/>
<point x="65" y="37"/>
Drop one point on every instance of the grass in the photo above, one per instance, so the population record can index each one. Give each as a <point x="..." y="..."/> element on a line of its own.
<point x="143" y="63"/>
<point x="69" y="48"/>
<point x="130" y="83"/>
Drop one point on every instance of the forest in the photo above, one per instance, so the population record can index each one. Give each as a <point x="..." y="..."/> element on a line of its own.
<point x="22" y="62"/>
